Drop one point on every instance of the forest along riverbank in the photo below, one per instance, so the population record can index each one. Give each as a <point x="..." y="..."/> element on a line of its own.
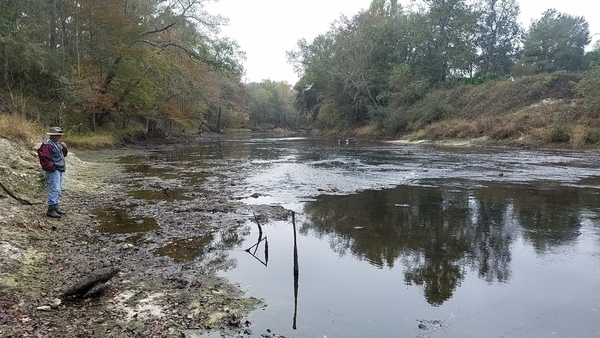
<point x="152" y="294"/>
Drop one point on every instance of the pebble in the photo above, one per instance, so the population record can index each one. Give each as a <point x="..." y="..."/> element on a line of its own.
<point x="55" y="303"/>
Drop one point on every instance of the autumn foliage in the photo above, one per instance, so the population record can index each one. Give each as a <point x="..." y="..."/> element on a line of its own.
<point x="108" y="64"/>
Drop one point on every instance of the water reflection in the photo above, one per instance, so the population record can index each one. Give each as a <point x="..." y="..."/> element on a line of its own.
<point x="186" y="249"/>
<point x="438" y="233"/>
<point x="261" y="242"/>
<point x="118" y="220"/>
<point x="549" y="216"/>
<point x="210" y="249"/>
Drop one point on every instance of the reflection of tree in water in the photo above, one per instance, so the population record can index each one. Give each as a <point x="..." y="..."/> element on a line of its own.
<point x="439" y="242"/>
<point x="550" y="216"/>
<point x="439" y="278"/>
<point x="425" y="226"/>
<point x="436" y="234"/>
<point x="491" y="234"/>
<point x="209" y="251"/>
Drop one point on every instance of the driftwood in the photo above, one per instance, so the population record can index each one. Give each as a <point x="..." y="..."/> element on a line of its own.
<point x="22" y="201"/>
<point x="95" y="291"/>
<point x="91" y="286"/>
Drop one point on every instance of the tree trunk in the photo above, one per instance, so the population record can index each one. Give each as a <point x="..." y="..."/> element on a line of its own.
<point x="219" y="121"/>
<point x="53" y="27"/>
<point x="5" y="70"/>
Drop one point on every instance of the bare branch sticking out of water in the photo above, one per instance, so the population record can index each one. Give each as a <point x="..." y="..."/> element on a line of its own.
<point x="258" y="241"/>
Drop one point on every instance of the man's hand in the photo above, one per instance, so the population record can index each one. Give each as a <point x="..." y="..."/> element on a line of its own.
<point x="64" y="145"/>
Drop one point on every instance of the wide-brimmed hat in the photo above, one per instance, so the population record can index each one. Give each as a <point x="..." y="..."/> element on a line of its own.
<point x="55" y="131"/>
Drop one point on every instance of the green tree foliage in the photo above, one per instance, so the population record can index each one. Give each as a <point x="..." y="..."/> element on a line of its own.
<point x="497" y="35"/>
<point x="313" y="61"/>
<point x="404" y="87"/>
<point x="27" y="62"/>
<point x="355" y="68"/>
<point x="556" y="42"/>
<point x="589" y="89"/>
<point x="271" y="104"/>
<point x="592" y="58"/>
<point x="452" y="25"/>
<point x="346" y="69"/>
<point x="377" y="66"/>
<point x="113" y="62"/>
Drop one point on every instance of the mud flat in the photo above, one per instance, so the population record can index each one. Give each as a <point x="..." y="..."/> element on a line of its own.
<point x="154" y="294"/>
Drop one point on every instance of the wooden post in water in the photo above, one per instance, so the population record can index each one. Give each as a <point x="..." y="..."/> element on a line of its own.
<point x="295" y="272"/>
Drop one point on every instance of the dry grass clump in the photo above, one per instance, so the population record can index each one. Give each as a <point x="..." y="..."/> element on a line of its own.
<point x="454" y="128"/>
<point x="17" y="128"/>
<point x="539" y="110"/>
<point x="501" y="97"/>
<point x="499" y="129"/>
<point x="546" y="123"/>
<point x="367" y="130"/>
<point x="492" y="127"/>
<point x="551" y="134"/>
<point x="583" y="136"/>
<point x="91" y="141"/>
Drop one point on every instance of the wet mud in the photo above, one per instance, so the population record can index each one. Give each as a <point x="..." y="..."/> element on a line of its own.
<point x="166" y="237"/>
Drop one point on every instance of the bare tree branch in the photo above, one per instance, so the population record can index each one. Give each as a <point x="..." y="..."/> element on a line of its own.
<point x="160" y="29"/>
<point x="187" y="51"/>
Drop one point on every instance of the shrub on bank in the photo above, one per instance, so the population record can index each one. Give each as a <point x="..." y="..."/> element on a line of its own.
<point x="553" y="134"/>
<point x="583" y="136"/>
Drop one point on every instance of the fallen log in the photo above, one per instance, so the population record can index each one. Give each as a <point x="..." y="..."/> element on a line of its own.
<point x="92" y="285"/>
<point x="95" y="291"/>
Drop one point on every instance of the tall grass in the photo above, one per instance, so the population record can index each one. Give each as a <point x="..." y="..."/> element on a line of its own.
<point x="91" y="141"/>
<point x="539" y="110"/>
<point x="18" y="129"/>
<point x="536" y="126"/>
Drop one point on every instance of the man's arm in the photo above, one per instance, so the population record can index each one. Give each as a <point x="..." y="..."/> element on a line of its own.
<point x="44" y="156"/>
<point x="64" y="148"/>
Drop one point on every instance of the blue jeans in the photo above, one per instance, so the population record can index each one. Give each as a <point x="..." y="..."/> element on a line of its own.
<point x="54" y="179"/>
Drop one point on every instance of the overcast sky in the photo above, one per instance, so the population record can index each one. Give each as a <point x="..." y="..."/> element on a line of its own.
<point x="266" y="29"/>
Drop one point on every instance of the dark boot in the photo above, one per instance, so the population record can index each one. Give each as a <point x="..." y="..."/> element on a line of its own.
<point x="58" y="211"/>
<point x="52" y="212"/>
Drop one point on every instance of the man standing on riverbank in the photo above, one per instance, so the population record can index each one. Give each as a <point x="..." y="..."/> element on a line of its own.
<point x="52" y="154"/>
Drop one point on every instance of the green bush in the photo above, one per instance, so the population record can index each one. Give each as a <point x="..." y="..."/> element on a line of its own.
<point x="589" y="90"/>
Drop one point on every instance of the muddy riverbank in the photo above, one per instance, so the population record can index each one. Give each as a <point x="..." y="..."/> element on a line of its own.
<point x="153" y="294"/>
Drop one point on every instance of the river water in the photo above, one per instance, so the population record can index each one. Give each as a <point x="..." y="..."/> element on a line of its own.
<point x="407" y="240"/>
